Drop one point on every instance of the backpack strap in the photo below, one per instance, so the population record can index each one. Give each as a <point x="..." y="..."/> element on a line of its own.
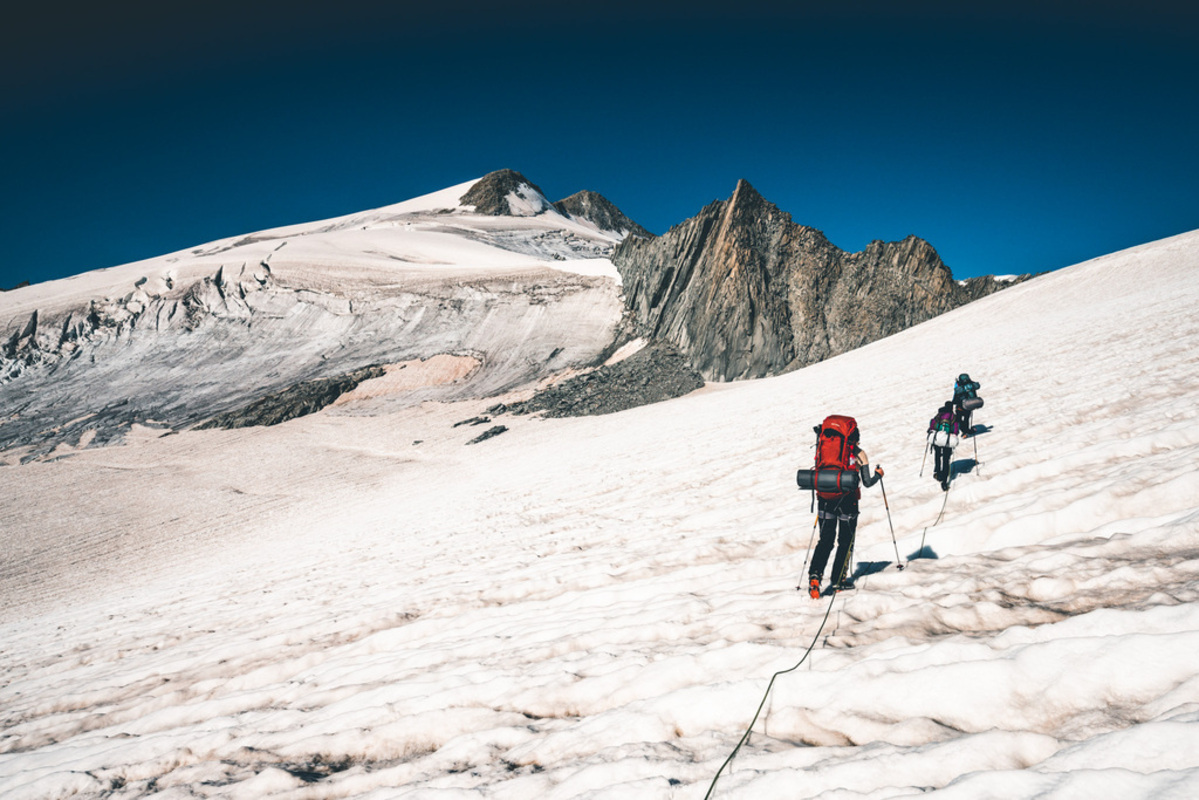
<point x="815" y="455"/>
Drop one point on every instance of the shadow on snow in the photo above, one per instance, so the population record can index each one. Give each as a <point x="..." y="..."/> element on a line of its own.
<point x="923" y="552"/>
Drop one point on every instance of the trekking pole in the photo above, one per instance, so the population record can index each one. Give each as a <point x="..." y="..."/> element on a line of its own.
<point x="926" y="449"/>
<point x="977" y="465"/>
<point x="886" y="505"/>
<point x="804" y="570"/>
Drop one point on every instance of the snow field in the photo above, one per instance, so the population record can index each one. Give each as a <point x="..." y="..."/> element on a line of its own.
<point x="592" y="608"/>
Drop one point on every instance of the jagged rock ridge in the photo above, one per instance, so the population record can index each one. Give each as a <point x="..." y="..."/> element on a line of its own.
<point x="745" y="292"/>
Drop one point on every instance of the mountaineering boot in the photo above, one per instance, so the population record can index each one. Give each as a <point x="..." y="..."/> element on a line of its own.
<point x="945" y="485"/>
<point x="814" y="588"/>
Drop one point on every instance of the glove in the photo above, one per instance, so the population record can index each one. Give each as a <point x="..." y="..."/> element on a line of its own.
<point x="878" y="471"/>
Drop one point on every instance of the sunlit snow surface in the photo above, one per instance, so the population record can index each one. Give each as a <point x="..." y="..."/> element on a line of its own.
<point x="364" y="606"/>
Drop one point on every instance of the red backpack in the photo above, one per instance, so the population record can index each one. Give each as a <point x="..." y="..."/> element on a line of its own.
<point x="835" y="442"/>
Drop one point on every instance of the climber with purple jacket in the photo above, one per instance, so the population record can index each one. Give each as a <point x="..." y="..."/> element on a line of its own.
<point x="943" y="432"/>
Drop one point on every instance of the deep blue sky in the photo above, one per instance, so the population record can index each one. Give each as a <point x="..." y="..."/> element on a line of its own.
<point x="1014" y="139"/>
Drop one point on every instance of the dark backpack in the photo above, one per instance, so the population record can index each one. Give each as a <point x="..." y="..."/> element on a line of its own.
<point x="835" y="441"/>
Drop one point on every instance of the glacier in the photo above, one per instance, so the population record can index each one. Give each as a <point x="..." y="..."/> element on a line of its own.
<point x="353" y="604"/>
<point x="172" y="341"/>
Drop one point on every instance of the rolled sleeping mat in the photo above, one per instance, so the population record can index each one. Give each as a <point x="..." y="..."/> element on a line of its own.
<point x="972" y="403"/>
<point x="827" y="480"/>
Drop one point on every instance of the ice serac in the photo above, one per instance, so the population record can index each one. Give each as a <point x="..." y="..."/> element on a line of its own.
<point x="745" y="292"/>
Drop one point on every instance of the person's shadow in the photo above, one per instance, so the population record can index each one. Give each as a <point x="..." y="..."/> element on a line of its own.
<point x="963" y="466"/>
<point x="865" y="568"/>
<point x="924" y="552"/>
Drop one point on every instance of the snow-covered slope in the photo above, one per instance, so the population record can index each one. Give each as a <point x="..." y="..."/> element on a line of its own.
<point x="365" y="606"/>
<point x="173" y="340"/>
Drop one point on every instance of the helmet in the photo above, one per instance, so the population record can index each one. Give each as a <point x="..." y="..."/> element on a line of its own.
<point x="963" y="378"/>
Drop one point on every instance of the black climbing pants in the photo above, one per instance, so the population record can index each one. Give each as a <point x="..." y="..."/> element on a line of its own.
<point x="965" y="421"/>
<point x="838" y="522"/>
<point x="941" y="456"/>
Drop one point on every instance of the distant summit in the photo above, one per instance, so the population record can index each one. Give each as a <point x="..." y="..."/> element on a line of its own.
<point x="601" y="212"/>
<point x="506" y="192"/>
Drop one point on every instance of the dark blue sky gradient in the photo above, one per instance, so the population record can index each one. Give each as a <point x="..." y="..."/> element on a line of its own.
<point x="1014" y="140"/>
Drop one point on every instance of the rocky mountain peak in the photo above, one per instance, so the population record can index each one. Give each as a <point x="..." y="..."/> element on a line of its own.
<point x="601" y="212"/>
<point x="745" y="195"/>
<point x="506" y="192"/>
<point x="745" y="292"/>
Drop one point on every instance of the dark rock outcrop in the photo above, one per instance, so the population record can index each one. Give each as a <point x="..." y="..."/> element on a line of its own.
<point x="656" y="372"/>
<point x="294" y="401"/>
<point x="745" y="292"/>
<point x="492" y="195"/>
<point x="490" y="433"/>
<point x="601" y="212"/>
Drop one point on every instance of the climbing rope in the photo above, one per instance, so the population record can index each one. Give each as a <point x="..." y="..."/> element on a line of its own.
<point x="769" y="686"/>
<point x="940" y="516"/>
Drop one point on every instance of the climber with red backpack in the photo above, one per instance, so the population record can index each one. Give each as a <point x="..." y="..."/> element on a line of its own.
<point x="841" y="468"/>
